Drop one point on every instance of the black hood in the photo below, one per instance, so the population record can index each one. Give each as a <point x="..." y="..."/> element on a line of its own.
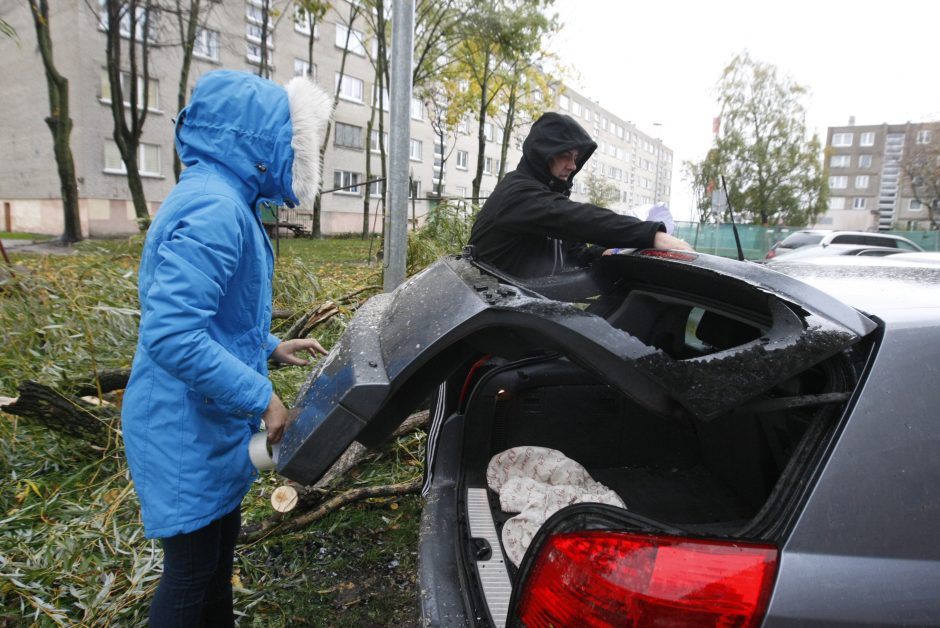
<point x="551" y="134"/>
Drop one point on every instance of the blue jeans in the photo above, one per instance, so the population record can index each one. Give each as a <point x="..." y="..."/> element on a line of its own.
<point x="196" y="587"/>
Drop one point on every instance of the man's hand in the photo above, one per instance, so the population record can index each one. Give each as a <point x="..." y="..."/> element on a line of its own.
<point x="275" y="419"/>
<point x="665" y="241"/>
<point x="286" y="352"/>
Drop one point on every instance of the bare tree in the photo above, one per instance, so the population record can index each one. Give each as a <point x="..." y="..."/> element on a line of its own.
<point x="133" y="20"/>
<point x="59" y="122"/>
<point x="354" y="10"/>
<point x="189" y="16"/>
<point x="921" y="167"/>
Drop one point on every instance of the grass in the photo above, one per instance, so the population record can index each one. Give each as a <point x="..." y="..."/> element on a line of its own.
<point x="15" y="235"/>
<point x="72" y="550"/>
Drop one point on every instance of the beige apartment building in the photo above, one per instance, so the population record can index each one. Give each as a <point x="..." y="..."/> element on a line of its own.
<point x="868" y="190"/>
<point x="639" y="166"/>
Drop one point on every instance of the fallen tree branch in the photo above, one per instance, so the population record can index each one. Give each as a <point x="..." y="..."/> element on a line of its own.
<point x="303" y="325"/>
<point x="349" y="297"/>
<point x="343" y="499"/>
<point x="64" y="414"/>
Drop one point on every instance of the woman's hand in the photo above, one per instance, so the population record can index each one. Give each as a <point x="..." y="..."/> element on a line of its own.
<point x="286" y="352"/>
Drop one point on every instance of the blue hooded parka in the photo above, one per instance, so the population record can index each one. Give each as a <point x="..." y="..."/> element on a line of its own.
<point x="199" y="379"/>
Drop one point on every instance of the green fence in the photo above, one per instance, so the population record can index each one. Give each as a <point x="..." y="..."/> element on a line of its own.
<point x="718" y="239"/>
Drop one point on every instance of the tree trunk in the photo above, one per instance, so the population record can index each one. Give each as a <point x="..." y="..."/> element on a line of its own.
<point x="188" y="37"/>
<point x="60" y="125"/>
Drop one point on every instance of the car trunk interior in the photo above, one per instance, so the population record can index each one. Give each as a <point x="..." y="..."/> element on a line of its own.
<point x="709" y="477"/>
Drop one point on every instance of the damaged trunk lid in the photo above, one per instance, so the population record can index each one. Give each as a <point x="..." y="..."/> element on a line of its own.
<point x="689" y="336"/>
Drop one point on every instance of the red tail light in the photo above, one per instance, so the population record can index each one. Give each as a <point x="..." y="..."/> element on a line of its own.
<point x="618" y="579"/>
<point x="772" y="253"/>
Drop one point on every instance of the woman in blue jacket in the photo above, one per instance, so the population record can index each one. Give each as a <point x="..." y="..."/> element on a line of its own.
<point x="199" y="386"/>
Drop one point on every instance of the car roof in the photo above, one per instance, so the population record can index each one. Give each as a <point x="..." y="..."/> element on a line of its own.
<point x="885" y="287"/>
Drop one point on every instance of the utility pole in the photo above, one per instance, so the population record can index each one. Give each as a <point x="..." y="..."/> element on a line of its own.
<point x="396" y="227"/>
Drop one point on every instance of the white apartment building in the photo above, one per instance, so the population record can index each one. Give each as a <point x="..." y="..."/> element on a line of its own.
<point x="639" y="166"/>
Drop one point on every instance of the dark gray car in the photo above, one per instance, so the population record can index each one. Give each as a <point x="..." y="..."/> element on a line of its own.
<point x="771" y="436"/>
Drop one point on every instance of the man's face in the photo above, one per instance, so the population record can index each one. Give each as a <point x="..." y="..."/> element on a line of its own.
<point x="563" y="164"/>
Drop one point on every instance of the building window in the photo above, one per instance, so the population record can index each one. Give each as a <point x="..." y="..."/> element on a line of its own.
<point x="842" y="139"/>
<point x="141" y="24"/>
<point x="915" y="206"/>
<point x="923" y="136"/>
<point x="253" y="34"/>
<point x="148" y="159"/>
<point x="303" y="68"/>
<point x="385" y="98"/>
<point x="414" y="190"/>
<point x="153" y="93"/>
<point x="461" y="191"/>
<point x="374" y="141"/>
<point x="487" y="165"/>
<point x="414" y="152"/>
<point x="866" y="139"/>
<point x="836" y="202"/>
<point x="463" y="127"/>
<point x="377" y="188"/>
<point x="348" y="136"/>
<point x="463" y="158"/>
<point x="302" y="22"/>
<point x="840" y="161"/>
<point x="563" y="102"/>
<point x="604" y="123"/>
<point x="417" y="109"/>
<point x="488" y="131"/>
<point x="356" y="39"/>
<point x="864" y="161"/>
<point x="350" y="88"/>
<point x="254" y="12"/>
<point x="253" y="55"/>
<point x="206" y="44"/>
<point x="577" y="109"/>
<point x="859" y="202"/>
<point x="348" y="180"/>
<point x="861" y="182"/>
<point x="838" y="183"/>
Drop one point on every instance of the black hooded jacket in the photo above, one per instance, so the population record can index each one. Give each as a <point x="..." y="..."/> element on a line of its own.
<point x="530" y="228"/>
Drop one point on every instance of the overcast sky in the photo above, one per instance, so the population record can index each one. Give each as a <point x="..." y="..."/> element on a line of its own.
<point x="658" y="61"/>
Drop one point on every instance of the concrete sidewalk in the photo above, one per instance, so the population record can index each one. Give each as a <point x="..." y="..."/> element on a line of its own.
<point x="45" y="247"/>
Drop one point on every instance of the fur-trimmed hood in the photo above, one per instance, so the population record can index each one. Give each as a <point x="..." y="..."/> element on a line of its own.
<point x="266" y="135"/>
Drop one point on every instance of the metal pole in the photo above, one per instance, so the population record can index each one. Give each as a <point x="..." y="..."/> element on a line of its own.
<point x="396" y="228"/>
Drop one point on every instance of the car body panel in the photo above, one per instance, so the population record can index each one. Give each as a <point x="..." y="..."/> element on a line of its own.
<point x="866" y="547"/>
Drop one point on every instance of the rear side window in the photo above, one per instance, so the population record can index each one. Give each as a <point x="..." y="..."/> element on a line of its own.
<point x="906" y="246"/>
<point x="870" y="240"/>
<point x="796" y="240"/>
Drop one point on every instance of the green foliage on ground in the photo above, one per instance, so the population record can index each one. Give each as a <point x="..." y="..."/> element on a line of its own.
<point x="72" y="550"/>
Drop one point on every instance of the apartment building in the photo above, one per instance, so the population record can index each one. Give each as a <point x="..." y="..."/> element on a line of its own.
<point x="639" y="166"/>
<point x="868" y="189"/>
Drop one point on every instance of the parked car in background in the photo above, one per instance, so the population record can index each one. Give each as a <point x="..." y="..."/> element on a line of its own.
<point x="818" y="250"/>
<point x="807" y="237"/>
<point x="769" y="437"/>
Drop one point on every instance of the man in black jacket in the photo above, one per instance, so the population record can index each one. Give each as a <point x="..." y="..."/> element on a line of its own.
<point x="530" y="228"/>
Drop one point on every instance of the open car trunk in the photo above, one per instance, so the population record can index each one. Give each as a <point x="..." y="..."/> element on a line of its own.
<point x="703" y="392"/>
